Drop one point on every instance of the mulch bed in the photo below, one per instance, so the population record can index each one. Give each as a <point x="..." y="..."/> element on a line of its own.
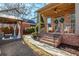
<point x="70" y="49"/>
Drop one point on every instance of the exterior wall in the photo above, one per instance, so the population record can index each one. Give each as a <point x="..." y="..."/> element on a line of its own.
<point x="77" y="18"/>
<point x="70" y="39"/>
<point x="73" y="39"/>
<point x="25" y="25"/>
<point x="67" y="19"/>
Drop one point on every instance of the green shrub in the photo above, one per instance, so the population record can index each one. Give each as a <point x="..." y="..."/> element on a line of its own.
<point x="7" y="30"/>
<point x="56" y="21"/>
<point x="34" y="35"/>
<point x="62" y="20"/>
<point x="30" y="30"/>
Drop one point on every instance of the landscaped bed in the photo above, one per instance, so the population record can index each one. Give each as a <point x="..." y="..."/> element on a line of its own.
<point x="70" y="49"/>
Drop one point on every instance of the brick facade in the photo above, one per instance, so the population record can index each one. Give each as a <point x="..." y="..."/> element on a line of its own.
<point x="71" y="39"/>
<point x="25" y="25"/>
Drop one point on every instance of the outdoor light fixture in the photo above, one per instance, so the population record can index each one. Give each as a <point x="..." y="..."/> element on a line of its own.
<point x="55" y="10"/>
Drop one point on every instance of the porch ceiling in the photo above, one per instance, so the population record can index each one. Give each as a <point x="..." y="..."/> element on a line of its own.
<point x="57" y="9"/>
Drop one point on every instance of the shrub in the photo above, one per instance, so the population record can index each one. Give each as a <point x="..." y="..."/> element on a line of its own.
<point x="7" y="30"/>
<point x="62" y="20"/>
<point x="34" y="34"/>
<point x="30" y="30"/>
<point x="56" y="21"/>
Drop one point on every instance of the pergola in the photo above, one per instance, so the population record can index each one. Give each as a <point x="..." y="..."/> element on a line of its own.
<point x="16" y="24"/>
<point x="55" y="10"/>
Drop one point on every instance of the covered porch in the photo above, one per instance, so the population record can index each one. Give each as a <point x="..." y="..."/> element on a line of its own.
<point x="10" y="28"/>
<point x="64" y="24"/>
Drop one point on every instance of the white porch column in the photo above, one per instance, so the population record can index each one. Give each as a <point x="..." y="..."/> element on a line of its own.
<point x="46" y="24"/>
<point x="19" y="30"/>
<point x="77" y="18"/>
<point x="14" y="30"/>
<point x="52" y="23"/>
<point x="38" y="16"/>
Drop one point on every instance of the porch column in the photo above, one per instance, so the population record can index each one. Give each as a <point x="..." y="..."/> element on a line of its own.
<point x="38" y="20"/>
<point x="14" y="30"/>
<point x="66" y="22"/>
<point x="77" y="18"/>
<point x="19" y="29"/>
<point x="52" y="24"/>
<point x="46" y="24"/>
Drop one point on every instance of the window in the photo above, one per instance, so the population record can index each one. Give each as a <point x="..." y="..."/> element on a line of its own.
<point x="49" y="24"/>
<point x="73" y="22"/>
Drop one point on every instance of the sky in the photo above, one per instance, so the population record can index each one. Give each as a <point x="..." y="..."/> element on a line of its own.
<point x="33" y="11"/>
<point x="39" y="5"/>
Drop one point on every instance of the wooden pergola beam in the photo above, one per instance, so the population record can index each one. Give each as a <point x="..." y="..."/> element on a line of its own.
<point x="60" y="10"/>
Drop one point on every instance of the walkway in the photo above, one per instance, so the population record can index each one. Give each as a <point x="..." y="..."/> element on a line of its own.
<point x="16" y="48"/>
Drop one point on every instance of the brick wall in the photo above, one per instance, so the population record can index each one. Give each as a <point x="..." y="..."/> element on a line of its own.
<point x="71" y="39"/>
<point x="25" y="25"/>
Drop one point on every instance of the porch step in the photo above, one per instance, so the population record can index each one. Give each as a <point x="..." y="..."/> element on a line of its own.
<point x="47" y="42"/>
<point x="48" y="39"/>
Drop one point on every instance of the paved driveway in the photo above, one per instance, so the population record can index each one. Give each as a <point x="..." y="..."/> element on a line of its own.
<point x="16" y="48"/>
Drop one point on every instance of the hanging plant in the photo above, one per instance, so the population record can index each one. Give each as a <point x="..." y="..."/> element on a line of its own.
<point x="56" y="21"/>
<point x="62" y="20"/>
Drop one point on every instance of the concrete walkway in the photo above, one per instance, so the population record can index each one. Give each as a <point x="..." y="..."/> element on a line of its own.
<point x="16" y="48"/>
<point x="50" y="49"/>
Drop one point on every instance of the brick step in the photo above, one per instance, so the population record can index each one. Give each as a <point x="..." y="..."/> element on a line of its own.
<point x="49" y="37"/>
<point x="47" y="42"/>
<point x="55" y="44"/>
<point x="46" y="39"/>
